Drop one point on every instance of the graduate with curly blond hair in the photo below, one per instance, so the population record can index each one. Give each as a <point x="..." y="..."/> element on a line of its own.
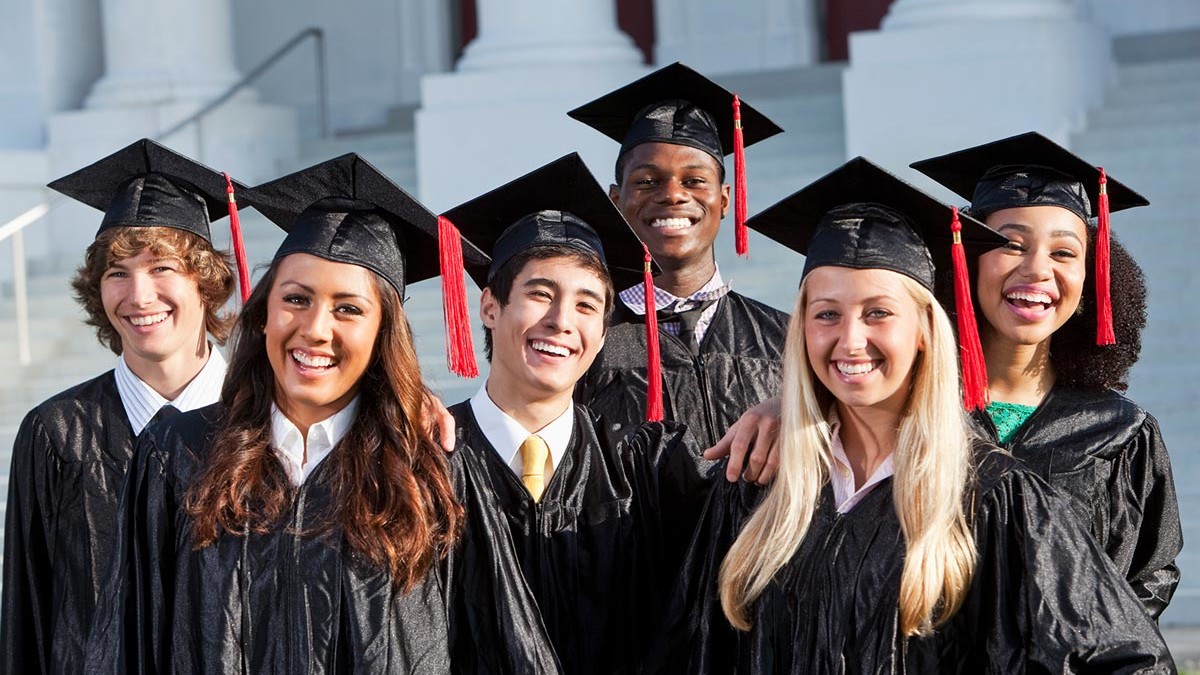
<point x="153" y="287"/>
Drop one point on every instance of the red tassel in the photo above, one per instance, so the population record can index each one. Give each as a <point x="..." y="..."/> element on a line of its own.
<point x="654" y="396"/>
<point x="460" y="350"/>
<point x="239" y="247"/>
<point x="741" y="234"/>
<point x="1104" y="318"/>
<point x="974" y="368"/>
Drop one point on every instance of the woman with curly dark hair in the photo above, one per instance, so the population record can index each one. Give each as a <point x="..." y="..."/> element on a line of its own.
<point x="296" y="525"/>
<point x="1058" y="350"/>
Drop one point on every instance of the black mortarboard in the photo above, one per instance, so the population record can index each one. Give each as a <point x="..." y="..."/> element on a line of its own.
<point x="562" y="204"/>
<point x="863" y="217"/>
<point x="674" y="104"/>
<point x="1026" y="170"/>
<point x="1031" y="170"/>
<point x="347" y="211"/>
<point x="559" y="203"/>
<point x="146" y="184"/>
<point x="677" y="105"/>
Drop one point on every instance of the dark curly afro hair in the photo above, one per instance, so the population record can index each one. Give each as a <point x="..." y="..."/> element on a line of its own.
<point x="1078" y="361"/>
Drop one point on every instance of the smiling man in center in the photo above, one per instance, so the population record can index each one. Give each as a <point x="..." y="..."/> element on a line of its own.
<point x="562" y="566"/>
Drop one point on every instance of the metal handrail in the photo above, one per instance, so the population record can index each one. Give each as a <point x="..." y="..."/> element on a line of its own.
<point x="14" y="228"/>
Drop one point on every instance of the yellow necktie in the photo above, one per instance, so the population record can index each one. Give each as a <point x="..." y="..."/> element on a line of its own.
<point x="534" y="452"/>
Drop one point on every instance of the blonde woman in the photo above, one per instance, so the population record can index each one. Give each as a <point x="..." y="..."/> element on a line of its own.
<point x="891" y="540"/>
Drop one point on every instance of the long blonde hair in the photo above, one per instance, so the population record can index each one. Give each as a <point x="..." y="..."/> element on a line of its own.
<point x="932" y="469"/>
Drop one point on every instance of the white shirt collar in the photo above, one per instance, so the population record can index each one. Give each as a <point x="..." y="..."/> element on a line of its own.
<point x="323" y="437"/>
<point x="506" y="434"/>
<point x="142" y="402"/>
<point x="841" y="476"/>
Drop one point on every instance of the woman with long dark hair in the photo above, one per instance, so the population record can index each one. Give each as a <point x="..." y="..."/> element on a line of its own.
<point x="295" y="526"/>
<point x="1055" y="365"/>
<point x="891" y="540"/>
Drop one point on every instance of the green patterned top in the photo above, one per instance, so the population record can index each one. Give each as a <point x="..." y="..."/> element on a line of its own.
<point x="1008" y="417"/>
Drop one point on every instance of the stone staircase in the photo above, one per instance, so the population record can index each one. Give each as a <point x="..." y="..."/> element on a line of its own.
<point x="1148" y="135"/>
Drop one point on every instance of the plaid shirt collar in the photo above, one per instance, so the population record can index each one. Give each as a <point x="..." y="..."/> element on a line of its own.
<point x="715" y="289"/>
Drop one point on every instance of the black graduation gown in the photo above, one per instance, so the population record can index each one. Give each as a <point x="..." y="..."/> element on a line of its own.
<point x="579" y="575"/>
<point x="68" y="462"/>
<point x="258" y="604"/>
<point x="1107" y="456"/>
<point x="739" y="366"/>
<point x="1044" y="598"/>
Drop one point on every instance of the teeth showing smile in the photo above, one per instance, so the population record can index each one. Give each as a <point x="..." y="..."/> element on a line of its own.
<point x="548" y="348"/>
<point x="670" y="223"/>
<point x="1037" y="297"/>
<point x="311" y="360"/>
<point x="855" y="368"/>
<point x="149" y="320"/>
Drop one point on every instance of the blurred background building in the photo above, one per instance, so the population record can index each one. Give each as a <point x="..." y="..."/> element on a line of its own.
<point x="453" y="98"/>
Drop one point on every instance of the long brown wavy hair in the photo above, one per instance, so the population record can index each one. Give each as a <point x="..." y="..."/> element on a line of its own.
<point x="390" y="488"/>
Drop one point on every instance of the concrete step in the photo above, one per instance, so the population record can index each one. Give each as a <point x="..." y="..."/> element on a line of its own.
<point x="1170" y="73"/>
<point x="1145" y="136"/>
<point x="1116" y="118"/>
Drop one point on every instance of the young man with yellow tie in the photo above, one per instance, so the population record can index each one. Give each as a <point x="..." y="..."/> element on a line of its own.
<point x="561" y="565"/>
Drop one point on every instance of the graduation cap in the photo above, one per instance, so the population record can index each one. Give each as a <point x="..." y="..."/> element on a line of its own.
<point x="863" y="217"/>
<point x="345" y="210"/>
<point x="146" y="184"/>
<point x="1031" y="170"/>
<point x="678" y="105"/>
<point x="560" y="204"/>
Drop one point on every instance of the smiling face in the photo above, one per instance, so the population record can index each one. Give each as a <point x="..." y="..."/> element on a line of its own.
<point x="323" y="320"/>
<point x="1029" y="288"/>
<point x="673" y="197"/>
<point x="155" y="307"/>
<point x="547" y="335"/>
<point x="863" y="332"/>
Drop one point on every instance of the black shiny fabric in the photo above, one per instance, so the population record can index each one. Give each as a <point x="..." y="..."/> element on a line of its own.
<point x="1106" y="455"/>
<point x="355" y="233"/>
<point x="860" y="215"/>
<point x="869" y="236"/>
<point x="257" y="604"/>
<point x="1044" y="598"/>
<point x="738" y="366"/>
<point x="146" y="184"/>
<point x="560" y="203"/>
<point x="546" y="227"/>
<point x="676" y="105"/>
<point x="575" y="582"/>
<point x="68" y="463"/>
<point x="1007" y="187"/>
<point x="1026" y="170"/>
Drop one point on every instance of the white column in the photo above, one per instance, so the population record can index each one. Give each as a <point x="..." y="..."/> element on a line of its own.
<point x="719" y="36"/>
<point x="504" y="111"/>
<point x="532" y="33"/>
<point x="944" y="74"/>
<point x="424" y="45"/>
<point x="164" y="61"/>
<point x="158" y="51"/>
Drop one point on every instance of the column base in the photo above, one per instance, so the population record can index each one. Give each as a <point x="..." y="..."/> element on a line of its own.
<point x="477" y="130"/>
<point x="918" y="92"/>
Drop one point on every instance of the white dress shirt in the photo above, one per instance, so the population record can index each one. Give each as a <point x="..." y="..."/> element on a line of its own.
<point x="845" y="497"/>
<point x="506" y="434"/>
<point x="142" y="402"/>
<point x="322" y="438"/>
